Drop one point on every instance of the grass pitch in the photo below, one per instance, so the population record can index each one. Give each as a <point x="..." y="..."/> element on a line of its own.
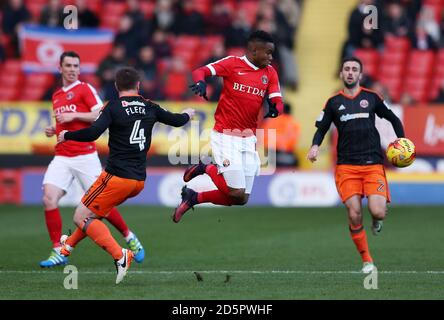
<point x="239" y="252"/>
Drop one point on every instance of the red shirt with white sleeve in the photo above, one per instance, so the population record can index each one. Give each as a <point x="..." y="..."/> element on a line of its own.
<point x="245" y="87"/>
<point x="77" y="97"/>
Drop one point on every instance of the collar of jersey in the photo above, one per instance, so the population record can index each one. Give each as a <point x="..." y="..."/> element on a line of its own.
<point x="249" y="63"/>
<point x="349" y="96"/>
<point x="72" y="85"/>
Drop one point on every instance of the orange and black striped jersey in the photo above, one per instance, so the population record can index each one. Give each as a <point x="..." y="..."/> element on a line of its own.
<point x="354" y="117"/>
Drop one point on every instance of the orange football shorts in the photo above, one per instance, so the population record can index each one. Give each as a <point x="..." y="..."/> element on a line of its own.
<point x="364" y="180"/>
<point x="109" y="191"/>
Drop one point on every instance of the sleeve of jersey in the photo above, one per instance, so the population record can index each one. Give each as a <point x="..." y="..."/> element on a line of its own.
<point x="323" y="124"/>
<point x="274" y="92"/>
<point x="171" y="119"/>
<point x="221" y="68"/>
<point x="383" y="110"/>
<point x="91" y="98"/>
<point x="94" y="131"/>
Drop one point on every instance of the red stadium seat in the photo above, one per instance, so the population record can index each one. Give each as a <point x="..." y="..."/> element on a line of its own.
<point x="370" y="60"/>
<point x="394" y="86"/>
<point x="202" y="6"/>
<point x="39" y="80"/>
<point x="396" y="44"/>
<point x="32" y="93"/>
<point x="250" y="7"/>
<point x="35" y="8"/>
<point x="10" y="79"/>
<point x="176" y="85"/>
<point x="12" y="66"/>
<point x="111" y="13"/>
<point x="417" y="88"/>
<point x="420" y="63"/>
<point x="147" y="7"/>
<point x="8" y="93"/>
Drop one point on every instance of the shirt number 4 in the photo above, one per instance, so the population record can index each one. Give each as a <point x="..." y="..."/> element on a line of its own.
<point x="138" y="135"/>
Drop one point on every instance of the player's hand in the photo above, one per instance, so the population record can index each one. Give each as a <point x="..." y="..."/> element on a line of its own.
<point x="65" y="117"/>
<point x="313" y="153"/>
<point x="190" y="112"/>
<point x="200" y="88"/>
<point x="50" y="131"/>
<point x="61" y="137"/>
<point x="272" y="110"/>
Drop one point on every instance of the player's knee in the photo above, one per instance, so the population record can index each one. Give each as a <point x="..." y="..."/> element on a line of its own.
<point x="238" y="196"/>
<point x="50" y="201"/>
<point x="378" y="213"/>
<point x="354" y="216"/>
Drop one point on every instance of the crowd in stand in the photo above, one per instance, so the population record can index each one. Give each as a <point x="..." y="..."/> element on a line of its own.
<point x="148" y="41"/>
<point x="420" y="23"/>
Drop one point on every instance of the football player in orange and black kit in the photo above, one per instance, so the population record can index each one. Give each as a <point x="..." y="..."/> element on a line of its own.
<point x="359" y="170"/>
<point x="130" y="121"/>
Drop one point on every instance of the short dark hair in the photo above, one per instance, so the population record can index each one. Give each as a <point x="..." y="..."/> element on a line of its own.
<point x="127" y="78"/>
<point x="353" y="59"/>
<point x="71" y="54"/>
<point x="260" y="35"/>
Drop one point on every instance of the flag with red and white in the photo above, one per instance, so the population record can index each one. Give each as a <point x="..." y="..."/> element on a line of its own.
<point x="41" y="47"/>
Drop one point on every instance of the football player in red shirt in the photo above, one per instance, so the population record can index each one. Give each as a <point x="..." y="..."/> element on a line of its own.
<point x="248" y="80"/>
<point x="76" y="105"/>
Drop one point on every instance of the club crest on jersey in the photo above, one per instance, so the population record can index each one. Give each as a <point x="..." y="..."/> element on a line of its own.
<point x="364" y="103"/>
<point x="226" y="163"/>
<point x="264" y="79"/>
<point x="69" y="95"/>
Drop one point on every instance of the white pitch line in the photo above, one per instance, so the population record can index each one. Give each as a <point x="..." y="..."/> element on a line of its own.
<point x="229" y="271"/>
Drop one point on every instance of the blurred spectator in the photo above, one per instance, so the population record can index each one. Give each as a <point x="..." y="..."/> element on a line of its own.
<point x="427" y="20"/>
<point x="146" y="64"/>
<point x="189" y="21"/>
<point x="162" y="48"/>
<point x="287" y="131"/>
<point x="107" y="69"/>
<point x="129" y="36"/>
<point x="406" y="99"/>
<point x="87" y="18"/>
<point x="219" y="20"/>
<point x="164" y="16"/>
<point x="423" y="41"/>
<point x="14" y="15"/>
<point x="215" y="83"/>
<point x="358" y="35"/>
<point x="287" y="18"/>
<point x="237" y="34"/>
<point x="136" y="14"/>
<point x="52" y="14"/>
<point x="396" y="21"/>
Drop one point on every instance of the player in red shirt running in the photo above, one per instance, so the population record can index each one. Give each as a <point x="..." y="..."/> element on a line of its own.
<point x="248" y="80"/>
<point x="76" y="105"/>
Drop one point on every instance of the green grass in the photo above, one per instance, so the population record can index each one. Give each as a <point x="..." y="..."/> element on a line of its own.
<point x="248" y="244"/>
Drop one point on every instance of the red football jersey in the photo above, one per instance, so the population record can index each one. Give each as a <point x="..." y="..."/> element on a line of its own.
<point x="245" y="87"/>
<point x="77" y="97"/>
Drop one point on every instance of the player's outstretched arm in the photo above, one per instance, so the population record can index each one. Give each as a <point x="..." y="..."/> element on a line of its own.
<point x="80" y="116"/>
<point x="91" y="133"/>
<point x="174" y="119"/>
